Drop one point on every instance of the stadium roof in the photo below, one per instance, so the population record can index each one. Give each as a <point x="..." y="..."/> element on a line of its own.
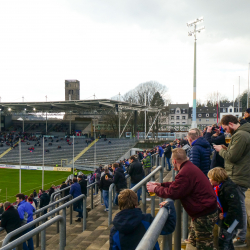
<point x="72" y="106"/>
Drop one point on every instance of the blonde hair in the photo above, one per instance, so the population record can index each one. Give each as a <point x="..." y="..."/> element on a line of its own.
<point x="194" y="133"/>
<point x="218" y="174"/>
<point x="127" y="199"/>
<point x="179" y="154"/>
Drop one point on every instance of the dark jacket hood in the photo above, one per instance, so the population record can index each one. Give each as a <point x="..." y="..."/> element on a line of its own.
<point x="120" y="170"/>
<point x="128" y="220"/>
<point x="202" y="142"/>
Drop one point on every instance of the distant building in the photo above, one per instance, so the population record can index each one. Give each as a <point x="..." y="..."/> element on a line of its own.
<point x="231" y="109"/>
<point x="204" y="116"/>
<point x="178" y="114"/>
<point x="72" y="90"/>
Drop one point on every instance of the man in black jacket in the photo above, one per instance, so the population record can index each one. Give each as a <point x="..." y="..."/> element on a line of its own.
<point x="106" y="181"/>
<point x="10" y="219"/>
<point x="136" y="173"/>
<point x="83" y="184"/>
<point x="119" y="180"/>
<point x="219" y="139"/>
<point x="44" y="200"/>
<point x="168" y="153"/>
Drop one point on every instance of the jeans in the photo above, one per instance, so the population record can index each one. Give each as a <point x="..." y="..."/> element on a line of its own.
<point x="116" y="199"/>
<point x="147" y="171"/>
<point x="242" y="232"/>
<point x="77" y="206"/>
<point x="30" y="241"/>
<point x="105" y="194"/>
<point x="138" y="191"/>
<point x="169" y="164"/>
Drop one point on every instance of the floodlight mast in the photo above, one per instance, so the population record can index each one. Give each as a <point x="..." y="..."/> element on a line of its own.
<point x="190" y="33"/>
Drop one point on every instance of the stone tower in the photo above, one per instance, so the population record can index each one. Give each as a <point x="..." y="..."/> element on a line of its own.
<point x="72" y="90"/>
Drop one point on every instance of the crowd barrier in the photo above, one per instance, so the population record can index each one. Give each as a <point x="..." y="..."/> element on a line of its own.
<point x="41" y="228"/>
<point x="43" y="219"/>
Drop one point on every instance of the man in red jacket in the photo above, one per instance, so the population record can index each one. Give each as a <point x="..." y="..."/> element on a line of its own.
<point x="197" y="196"/>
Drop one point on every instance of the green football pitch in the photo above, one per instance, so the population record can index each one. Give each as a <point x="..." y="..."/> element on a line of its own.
<point x="31" y="179"/>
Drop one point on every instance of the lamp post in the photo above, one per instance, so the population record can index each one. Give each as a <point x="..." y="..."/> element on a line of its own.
<point x="190" y="33"/>
<point x="0" y="120"/>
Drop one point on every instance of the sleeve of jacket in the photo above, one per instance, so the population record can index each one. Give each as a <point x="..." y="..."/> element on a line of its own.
<point x="236" y="150"/>
<point x="232" y="199"/>
<point x="71" y="191"/>
<point x="114" y="239"/>
<point x="218" y="140"/>
<point x="3" y="221"/>
<point x="178" y="189"/>
<point x="166" y="184"/>
<point x="101" y="183"/>
<point x="21" y="212"/>
<point x="170" y="224"/>
<point x="130" y="170"/>
<point x="194" y="156"/>
<point x="116" y="178"/>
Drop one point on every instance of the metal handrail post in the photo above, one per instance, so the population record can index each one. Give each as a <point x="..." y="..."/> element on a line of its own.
<point x="43" y="239"/>
<point x="161" y="180"/>
<point x="110" y="203"/>
<point x="84" y="212"/>
<point x="101" y="197"/>
<point x="57" y="224"/>
<point x="64" y="216"/>
<point x="153" y="201"/>
<point x="167" y="242"/>
<point x="185" y="225"/>
<point x="71" y="213"/>
<point x="144" y="205"/>
<point x="92" y="197"/>
<point x="177" y="232"/>
<point x="173" y="174"/>
<point x="37" y="236"/>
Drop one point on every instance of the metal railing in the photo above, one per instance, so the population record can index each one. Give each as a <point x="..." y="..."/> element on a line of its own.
<point x="141" y="184"/>
<point x="151" y="236"/>
<point x="45" y="216"/>
<point x="41" y="228"/>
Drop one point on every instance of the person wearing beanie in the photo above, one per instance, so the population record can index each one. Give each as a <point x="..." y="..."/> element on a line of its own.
<point x="247" y="115"/>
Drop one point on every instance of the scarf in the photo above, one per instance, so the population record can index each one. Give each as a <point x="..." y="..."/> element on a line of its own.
<point x="217" y="189"/>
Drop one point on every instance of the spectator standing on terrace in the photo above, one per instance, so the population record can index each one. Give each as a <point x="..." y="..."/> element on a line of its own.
<point x="147" y="163"/>
<point x="228" y="205"/>
<point x="168" y="153"/>
<point x="130" y="224"/>
<point x="247" y="115"/>
<point x="200" y="151"/>
<point x="51" y="190"/>
<point x="83" y="184"/>
<point x="106" y="181"/>
<point x="25" y="211"/>
<point x="197" y="196"/>
<point x="75" y="191"/>
<point x="44" y="200"/>
<point x="136" y="173"/>
<point x="237" y="158"/>
<point x="10" y="219"/>
<point x="119" y="180"/>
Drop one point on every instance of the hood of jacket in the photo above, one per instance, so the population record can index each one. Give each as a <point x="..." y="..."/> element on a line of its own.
<point x="128" y="220"/>
<point x="119" y="170"/>
<point x="244" y="127"/>
<point x="201" y="142"/>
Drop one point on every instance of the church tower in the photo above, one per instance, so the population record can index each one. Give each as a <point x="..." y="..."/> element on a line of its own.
<point x="72" y="90"/>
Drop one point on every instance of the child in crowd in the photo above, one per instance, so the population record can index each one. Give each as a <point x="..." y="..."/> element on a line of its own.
<point x="228" y="205"/>
<point x="131" y="224"/>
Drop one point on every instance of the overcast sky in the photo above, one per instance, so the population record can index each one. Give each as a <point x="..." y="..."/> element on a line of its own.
<point x="111" y="46"/>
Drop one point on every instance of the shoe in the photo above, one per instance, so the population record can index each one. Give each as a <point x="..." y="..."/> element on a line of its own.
<point x="106" y="209"/>
<point x="78" y="220"/>
<point x="240" y="243"/>
<point x="148" y="199"/>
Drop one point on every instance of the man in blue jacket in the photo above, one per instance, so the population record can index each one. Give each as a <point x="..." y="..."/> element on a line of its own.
<point x="25" y="211"/>
<point x="200" y="151"/>
<point x="75" y="191"/>
<point x="131" y="224"/>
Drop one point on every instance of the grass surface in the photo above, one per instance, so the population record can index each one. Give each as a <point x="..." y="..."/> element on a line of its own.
<point x="31" y="179"/>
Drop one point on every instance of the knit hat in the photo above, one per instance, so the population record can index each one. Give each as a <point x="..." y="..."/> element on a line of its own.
<point x="248" y="110"/>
